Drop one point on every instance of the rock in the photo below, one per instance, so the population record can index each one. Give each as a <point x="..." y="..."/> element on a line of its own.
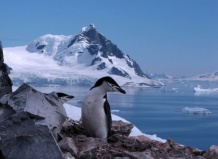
<point x="214" y="148"/>
<point x="1" y="54"/>
<point x="67" y="155"/>
<point x="5" y="112"/>
<point x="5" y="81"/>
<point x="91" y="147"/>
<point x="121" y="158"/>
<point x="212" y="153"/>
<point x="72" y="128"/>
<point x="138" y="155"/>
<point x="21" y="138"/>
<point x="47" y="108"/>
<point x="68" y="145"/>
<point x="119" y="145"/>
<point x="121" y="127"/>
<point x="30" y="123"/>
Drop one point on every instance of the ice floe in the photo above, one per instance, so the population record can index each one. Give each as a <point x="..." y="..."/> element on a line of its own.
<point x="196" y="110"/>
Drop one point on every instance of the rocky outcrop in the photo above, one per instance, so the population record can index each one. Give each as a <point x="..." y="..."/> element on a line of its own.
<point x="30" y="122"/>
<point x="35" y="125"/>
<point x="121" y="146"/>
<point x="5" y="81"/>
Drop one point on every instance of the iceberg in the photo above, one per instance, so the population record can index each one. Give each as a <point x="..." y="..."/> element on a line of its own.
<point x="198" y="89"/>
<point x="196" y="110"/>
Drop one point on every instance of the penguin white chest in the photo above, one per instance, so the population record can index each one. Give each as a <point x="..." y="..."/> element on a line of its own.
<point x="94" y="118"/>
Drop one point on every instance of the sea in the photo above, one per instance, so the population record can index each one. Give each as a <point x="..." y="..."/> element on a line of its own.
<point x="174" y="111"/>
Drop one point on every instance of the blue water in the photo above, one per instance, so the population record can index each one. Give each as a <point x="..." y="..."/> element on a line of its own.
<point x="160" y="111"/>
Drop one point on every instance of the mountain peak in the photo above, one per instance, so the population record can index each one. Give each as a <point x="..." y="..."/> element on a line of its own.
<point x="90" y="27"/>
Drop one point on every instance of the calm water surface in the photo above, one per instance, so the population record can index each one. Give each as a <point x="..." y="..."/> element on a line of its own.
<point x="160" y="111"/>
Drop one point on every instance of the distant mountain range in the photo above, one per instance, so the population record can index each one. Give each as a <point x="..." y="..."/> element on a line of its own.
<point x="208" y="76"/>
<point x="83" y="57"/>
<point x="202" y="77"/>
<point x="160" y="76"/>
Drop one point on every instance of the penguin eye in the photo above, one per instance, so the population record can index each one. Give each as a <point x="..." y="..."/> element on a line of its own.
<point x="112" y="85"/>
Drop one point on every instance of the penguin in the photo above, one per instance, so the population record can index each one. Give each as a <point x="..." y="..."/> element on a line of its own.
<point x="64" y="97"/>
<point x="60" y="96"/>
<point x="96" y="114"/>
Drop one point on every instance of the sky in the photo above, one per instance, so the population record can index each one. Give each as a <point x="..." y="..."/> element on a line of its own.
<point x="175" y="37"/>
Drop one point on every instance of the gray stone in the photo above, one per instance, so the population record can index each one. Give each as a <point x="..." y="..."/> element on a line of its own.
<point x="137" y="155"/>
<point x="212" y="153"/>
<point x="121" y="127"/>
<point x="5" y="112"/>
<point x="67" y="145"/>
<point x="46" y="107"/>
<point x="30" y="122"/>
<point x="67" y="155"/>
<point x="5" y="81"/>
<point x="26" y="140"/>
<point x="214" y="148"/>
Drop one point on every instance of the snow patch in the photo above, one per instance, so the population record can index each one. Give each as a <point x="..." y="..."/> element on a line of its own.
<point x="91" y="26"/>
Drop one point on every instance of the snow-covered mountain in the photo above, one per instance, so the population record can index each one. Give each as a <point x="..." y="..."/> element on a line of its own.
<point x="160" y="76"/>
<point x="79" y="59"/>
<point x="206" y="77"/>
<point x="89" y="48"/>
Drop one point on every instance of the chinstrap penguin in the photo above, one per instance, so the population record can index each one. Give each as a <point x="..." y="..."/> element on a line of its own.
<point x="96" y="114"/>
<point x="64" y="97"/>
<point x="61" y="96"/>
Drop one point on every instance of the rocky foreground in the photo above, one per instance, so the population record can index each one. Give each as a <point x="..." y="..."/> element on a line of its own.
<point x="35" y="125"/>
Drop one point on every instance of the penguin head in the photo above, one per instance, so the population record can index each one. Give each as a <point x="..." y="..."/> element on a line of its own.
<point x="109" y="84"/>
<point x="64" y="97"/>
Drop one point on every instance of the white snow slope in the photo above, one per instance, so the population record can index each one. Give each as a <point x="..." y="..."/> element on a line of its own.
<point x="42" y="69"/>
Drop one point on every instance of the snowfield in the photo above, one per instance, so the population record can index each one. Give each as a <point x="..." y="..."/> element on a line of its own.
<point x="42" y="69"/>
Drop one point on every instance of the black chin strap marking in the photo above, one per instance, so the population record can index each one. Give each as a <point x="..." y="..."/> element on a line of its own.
<point x="110" y="86"/>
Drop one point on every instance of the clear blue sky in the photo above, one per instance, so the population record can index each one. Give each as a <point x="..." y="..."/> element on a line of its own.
<point x="177" y="37"/>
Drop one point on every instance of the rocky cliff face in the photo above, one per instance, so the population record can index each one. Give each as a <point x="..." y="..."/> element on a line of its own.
<point x="5" y="81"/>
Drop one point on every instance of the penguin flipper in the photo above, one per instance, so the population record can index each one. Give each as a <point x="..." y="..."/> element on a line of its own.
<point x="107" y="111"/>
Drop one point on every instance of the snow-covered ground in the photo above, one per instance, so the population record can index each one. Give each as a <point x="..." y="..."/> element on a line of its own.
<point x="41" y="69"/>
<point x="74" y="113"/>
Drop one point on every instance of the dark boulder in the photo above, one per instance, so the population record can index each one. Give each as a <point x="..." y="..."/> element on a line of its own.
<point x="48" y="108"/>
<point x="30" y="123"/>
<point x="5" y="81"/>
<point x="21" y="138"/>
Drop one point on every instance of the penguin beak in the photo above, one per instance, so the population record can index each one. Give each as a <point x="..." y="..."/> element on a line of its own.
<point x="116" y="88"/>
<point x="120" y="89"/>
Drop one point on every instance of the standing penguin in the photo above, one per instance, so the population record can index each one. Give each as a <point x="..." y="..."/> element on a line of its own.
<point x="96" y="114"/>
